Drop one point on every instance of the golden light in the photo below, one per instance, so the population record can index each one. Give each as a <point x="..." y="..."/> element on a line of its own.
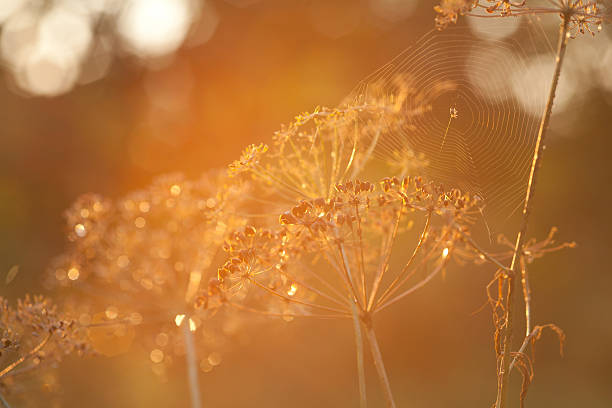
<point x="153" y="28"/>
<point x="445" y="253"/>
<point x="292" y="290"/>
<point x="144" y="206"/>
<point x="80" y="230"/>
<point x="8" y="7"/>
<point x="73" y="273"/>
<point x="178" y="319"/>
<point x="123" y="261"/>
<point x="157" y="356"/>
<point x="111" y="312"/>
<point x="140" y="222"/>
<point x="192" y="325"/>
<point x="175" y="189"/>
<point x="47" y="71"/>
<point x="45" y="47"/>
<point x="162" y="339"/>
<point x="214" y="358"/>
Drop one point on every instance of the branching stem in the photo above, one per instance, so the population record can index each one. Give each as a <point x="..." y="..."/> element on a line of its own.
<point x="23" y="358"/>
<point x="504" y="366"/>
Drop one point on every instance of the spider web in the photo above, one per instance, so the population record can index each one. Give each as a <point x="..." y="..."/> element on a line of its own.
<point x="457" y="90"/>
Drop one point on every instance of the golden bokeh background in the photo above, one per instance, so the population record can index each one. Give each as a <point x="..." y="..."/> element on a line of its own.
<point x="101" y="96"/>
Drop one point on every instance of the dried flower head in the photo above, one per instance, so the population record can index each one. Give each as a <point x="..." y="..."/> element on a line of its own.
<point x="135" y="266"/>
<point x="321" y="149"/>
<point x="449" y="10"/>
<point x="333" y="251"/>
<point x="34" y="337"/>
<point x="583" y="15"/>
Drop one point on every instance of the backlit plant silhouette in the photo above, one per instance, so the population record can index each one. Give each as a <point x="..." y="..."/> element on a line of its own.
<point x="34" y="337"/>
<point x="299" y="228"/>
<point x="134" y="267"/>
<point x="332" y="257"/>
<point x="577" y="16"/>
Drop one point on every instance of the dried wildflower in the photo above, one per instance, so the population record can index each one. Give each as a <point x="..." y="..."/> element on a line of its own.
<point x="249" y="159"/>
<point x="533" y="249"/>
<point x="583" y="15"/>
<point x="319" y="150"/>
<point x="449" y="10"/>
<point x="338" y="231"/>
<point x="140" y="262"/>
<point x="34" y="336"/>
<point x="332" y="257"/>
<point x="499" y="289"/>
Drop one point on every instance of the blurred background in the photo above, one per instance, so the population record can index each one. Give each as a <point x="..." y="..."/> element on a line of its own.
<point x="102" y="95"/>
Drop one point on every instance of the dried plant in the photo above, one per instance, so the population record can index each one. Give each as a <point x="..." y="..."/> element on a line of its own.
<point x="318" y="150"/>
<point x="577" y="16"/>
<point x="35" y="336"/>
<point x="291" y="231"/>
<point x="133" y="269"/>
<point x="583" y="16"/>
<point x="332" y="257"/>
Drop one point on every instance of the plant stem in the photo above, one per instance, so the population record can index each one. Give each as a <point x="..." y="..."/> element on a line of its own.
<point x="23" y="358"/>
<point x="5" y="404"/>
<point x="192" y="366"/>
<point x="363" y="402"/>
<point x="379" y="364"/>
<point x="526" y="296"/>
<point x="504" y="367"/>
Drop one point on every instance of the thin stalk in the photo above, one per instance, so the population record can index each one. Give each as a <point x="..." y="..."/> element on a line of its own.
<point x="526" y="296"/>
<point x="385" y="264"/>
<point x="363" y="401"/>
<point x="23" y="358"/>
<point x="192" y="366"/>
<point x="481" y="251"/>
<point x="504" y="370"/>
<point x="379" y="364"/>
<point x="5" y="403"/>
<point x="391" y="288"/>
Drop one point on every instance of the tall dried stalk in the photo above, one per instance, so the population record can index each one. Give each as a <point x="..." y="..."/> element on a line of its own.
<point x="192" y="367"/>
<point x="504" y="367"/>
<point x="363" y="401"/>
<point x="379" y="364"/>
<point x="4" y="402"/>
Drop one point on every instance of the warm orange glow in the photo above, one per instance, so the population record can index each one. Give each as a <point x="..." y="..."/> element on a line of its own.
<point x="73" y="273"/>
<point x="178" y="319"/>
<point x="80" y="230"/>
<point x="111" y="312"/>
<point x="156" y="355"/>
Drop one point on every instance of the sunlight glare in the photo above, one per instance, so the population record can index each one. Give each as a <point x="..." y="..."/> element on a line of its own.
<point x="153" y="28"/>
<point x="8" y="7"/>
<point x="178" y="319"/>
